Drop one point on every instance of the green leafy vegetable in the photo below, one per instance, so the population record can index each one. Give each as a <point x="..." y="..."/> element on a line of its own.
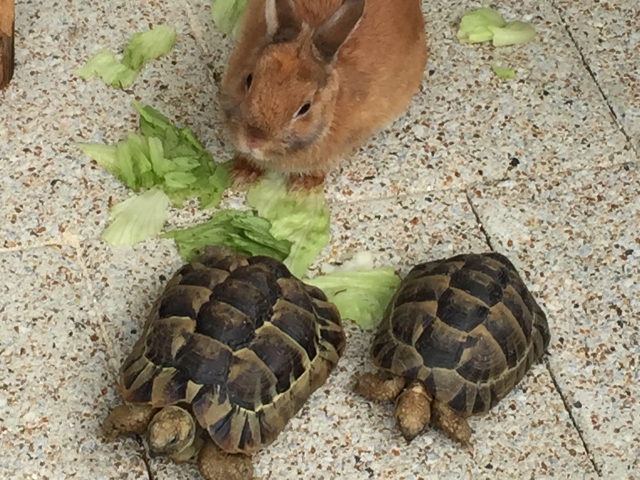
<point x="242" y="231"/>
<point x="105" y="155"/>
<point x="225" y="15"/>
<point x="144" y="46"/>
<point x="474" y="25"/>
<point x="361" y="294"/>
<point x="485" y="24"/>
<point x="503" y="73"/>
<point x="299" y="217"/>
<point x="104" y="65"/>
<point x="137" y="218"/>
<point x="165" y="156"/>
<point x="513" y="33"/>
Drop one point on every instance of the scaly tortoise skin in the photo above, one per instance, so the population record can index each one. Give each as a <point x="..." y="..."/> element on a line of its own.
<point x="457" y="336"/>
<point x="239" y="344"/>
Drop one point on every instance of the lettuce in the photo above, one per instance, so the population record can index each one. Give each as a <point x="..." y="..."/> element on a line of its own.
<point x="513" y="33"/>
<point x="299" y="217"/>
<point x="226" y="14"/>
<point x="137" y="218"/>
<point x="474" y="25"/>
<point x="485" y="24"/>
<point x="503" y="73"/>
<point x="361" y="292"/>
<point x="142" y="47"/>
<point x="241" y="231"/>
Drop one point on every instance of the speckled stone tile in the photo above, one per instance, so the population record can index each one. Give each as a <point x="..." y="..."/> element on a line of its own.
<point x="466" y="126"/>
<point x="338" y="434"/>
<point x="55" y="385"/>
<point x="576" y="239"/>
<point x="47" y="186"/>
<point x="607" y="34"/>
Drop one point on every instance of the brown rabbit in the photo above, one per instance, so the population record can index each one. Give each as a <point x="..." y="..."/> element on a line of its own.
<point x="310" y="80"/>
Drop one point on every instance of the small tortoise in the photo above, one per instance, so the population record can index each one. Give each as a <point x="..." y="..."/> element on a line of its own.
<point x="230" y="352"/>
<point x="457" y="336"/>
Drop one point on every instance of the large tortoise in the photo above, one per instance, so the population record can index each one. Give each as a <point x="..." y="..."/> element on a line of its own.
<point x="457" y="336"/>
<point x="230" y="352"/>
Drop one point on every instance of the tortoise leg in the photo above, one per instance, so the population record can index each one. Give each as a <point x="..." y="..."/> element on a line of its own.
<point x="128" y="419"/>
<point x="379" y="387"/>
<point x="413" y="410"/>
<point x="214" y="464"/>
<point x="451" y="423"/>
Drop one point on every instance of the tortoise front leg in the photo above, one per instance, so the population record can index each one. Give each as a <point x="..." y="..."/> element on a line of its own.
<point x="413" y="410"/>
<point x="379" y="387"/>
<point x="214" y="464"/>
<point x="451" y="423"/>
<point x="128" y="419"/>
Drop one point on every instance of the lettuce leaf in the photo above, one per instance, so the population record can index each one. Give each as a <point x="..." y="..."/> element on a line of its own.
<point x="485" y="24"/>
<point x="299" y="217"/>
<point x="149" y="45"/>
<point x="142" y="47"/>
<point x="503" y="73"/>
<point x="165" y="156"/>
<point x="226" y="14"/>
<point x="242" y="231"/>
<point x="104" y="65"/>
<point x="513" y="33"/>
<point x="474" y="25"/>
<point x="137" y="218"/>
<point x="361" y="294"/>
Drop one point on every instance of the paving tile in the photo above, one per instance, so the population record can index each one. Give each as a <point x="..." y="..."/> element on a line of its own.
<point x="575" y="238"/>
<point x="56" y="385"/>
<point x="466" y="126"/>
<point x="46" y="185"/>
<point x="607" y="35"/>
<point x="338" y="434"/>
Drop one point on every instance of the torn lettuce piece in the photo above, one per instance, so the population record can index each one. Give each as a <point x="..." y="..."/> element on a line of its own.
<point x="503" y="73"/>
<point x="165" y="156"/>
<point x="142" y="47"/>
<point x="104" y="65"/>
<point x="226" y="15"/>
<point x="513" y="33"/>
<point x="137" y="218"/>
<point x="242" y="231"/>
<point x="179" y="180"/>
<point x="474" y="25"/>
<point x="145" y="46"/>
<point x="361" y="295"/>
<point x="104" y="155"/>
<point x="299" y="217"/>
<point x="161" y="166"/>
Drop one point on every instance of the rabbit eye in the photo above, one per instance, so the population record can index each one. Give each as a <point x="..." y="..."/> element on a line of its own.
<point x="248" y="80"/>
<point x="303" y="109"/>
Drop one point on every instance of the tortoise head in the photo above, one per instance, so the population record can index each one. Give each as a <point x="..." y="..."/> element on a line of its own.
<point x="171" y="432"/>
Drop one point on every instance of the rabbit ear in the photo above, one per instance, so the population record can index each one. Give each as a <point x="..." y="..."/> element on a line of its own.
<point x="329" y="37"/>
<point x="283" y="24"/>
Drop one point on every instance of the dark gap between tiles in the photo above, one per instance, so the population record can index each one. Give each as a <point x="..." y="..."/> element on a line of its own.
<point x="594" y="78"/>
<point x="475" y="214"/>
<point x="595" y="466"/>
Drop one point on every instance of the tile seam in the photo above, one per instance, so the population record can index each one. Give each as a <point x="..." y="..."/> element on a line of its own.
<point x="574" y="422"/>
<point x="594" y="78"/>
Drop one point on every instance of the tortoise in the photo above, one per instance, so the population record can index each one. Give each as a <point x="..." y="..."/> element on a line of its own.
<point x="456" y="337"/>
<point x="229" y="353"/>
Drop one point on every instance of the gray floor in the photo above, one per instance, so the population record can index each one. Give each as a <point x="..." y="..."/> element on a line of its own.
<point x="544" y="168"/>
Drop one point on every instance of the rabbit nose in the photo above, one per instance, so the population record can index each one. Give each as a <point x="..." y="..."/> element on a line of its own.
<point x="254" y="136"/>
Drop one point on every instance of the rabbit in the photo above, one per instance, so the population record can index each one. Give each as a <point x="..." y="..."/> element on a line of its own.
<point x="309" y="81"/>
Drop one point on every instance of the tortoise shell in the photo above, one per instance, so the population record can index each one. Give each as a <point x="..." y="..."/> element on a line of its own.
<point x="466" y="326"/>
<point x="240" y="341"/>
